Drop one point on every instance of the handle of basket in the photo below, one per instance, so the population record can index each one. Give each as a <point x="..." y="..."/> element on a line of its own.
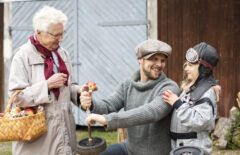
<point x="9" y="105"/>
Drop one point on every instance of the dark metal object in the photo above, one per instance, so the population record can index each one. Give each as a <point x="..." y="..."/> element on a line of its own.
<point x="86" y="88"/>
<point x="187" y="150"/>
<point x="99" y="145"/>
<point x="90" y="141"/>
<point x="90" y="145"/>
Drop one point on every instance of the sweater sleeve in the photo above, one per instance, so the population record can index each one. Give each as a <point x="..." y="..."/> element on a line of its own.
<point x="112" y="104"/>
<point x="150" y="112"/>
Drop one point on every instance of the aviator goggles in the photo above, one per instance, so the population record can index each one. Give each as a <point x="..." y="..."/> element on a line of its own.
<point x="193" y="57"/>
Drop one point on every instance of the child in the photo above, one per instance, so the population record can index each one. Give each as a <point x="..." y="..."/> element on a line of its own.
<point x="195" y="109"/>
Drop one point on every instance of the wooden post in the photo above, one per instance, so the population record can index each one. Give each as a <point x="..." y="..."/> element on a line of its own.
<point x="1" y="59"/>
<point x="122" y="134"/>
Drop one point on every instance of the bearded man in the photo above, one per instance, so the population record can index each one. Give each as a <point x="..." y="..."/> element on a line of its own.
<point x="146" y="116"/>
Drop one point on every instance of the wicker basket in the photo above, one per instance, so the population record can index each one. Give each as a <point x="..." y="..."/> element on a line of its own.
<point x="21" y="128"/>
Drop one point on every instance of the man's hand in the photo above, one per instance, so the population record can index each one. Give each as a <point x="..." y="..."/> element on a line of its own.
<point x="97" y="118"/>
<point x="56" y="80"/>
<point x="85" y="98"/>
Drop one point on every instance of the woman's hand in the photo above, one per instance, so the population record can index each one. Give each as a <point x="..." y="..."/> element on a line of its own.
<point x="85" y="98"/>
<point x="169" y="97"/>
<point x="96" y="118"/>
<point x="56" y="80"/>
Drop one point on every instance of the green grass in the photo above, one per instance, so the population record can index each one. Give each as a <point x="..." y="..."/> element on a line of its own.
<point x="110" y="137"/>
<point x="5" y="148"/>
<point x="5" y="152"/>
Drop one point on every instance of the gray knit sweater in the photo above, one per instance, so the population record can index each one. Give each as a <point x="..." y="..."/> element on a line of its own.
<point x="146" y="115"/>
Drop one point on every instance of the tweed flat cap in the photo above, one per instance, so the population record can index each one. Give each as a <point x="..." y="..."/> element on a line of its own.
<point x="149" y="47"/>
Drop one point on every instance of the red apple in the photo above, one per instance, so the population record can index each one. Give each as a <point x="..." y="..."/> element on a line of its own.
<point x="92" y="85"/>
<point x="29" y="111"/>
<point x="2" y="115"/>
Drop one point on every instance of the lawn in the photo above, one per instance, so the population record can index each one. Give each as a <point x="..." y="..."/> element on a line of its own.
<point x="5" y="148"/>
<point x="110" y="137"/>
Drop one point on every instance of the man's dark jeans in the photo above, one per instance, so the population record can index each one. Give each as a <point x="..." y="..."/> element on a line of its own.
<point x="116" y="149"/>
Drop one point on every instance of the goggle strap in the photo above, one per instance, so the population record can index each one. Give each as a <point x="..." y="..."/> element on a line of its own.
<point x="205" y="64"/>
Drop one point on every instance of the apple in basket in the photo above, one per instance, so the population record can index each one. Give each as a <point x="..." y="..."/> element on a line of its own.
<point x="29" y="111"/>
<point x="2" y="115"/>
<point x="16" y="110"/>
<point x="92" y="85"/>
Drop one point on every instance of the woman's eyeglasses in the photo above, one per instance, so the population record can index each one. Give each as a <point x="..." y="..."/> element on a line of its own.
<point x="56" y="36"/>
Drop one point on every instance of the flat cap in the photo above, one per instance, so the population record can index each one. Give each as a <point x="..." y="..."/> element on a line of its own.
<point x="149" y="47"/>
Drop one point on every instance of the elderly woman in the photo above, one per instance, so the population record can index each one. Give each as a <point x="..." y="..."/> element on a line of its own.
<point x="42" y="70"/>
<point x="195" y="109"/>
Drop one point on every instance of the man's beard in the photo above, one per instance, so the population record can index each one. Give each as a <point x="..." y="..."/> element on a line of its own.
<point x="149" y="75"/>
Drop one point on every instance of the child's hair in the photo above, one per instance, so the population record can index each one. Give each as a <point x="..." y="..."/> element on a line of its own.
<point x="186" y="83"/>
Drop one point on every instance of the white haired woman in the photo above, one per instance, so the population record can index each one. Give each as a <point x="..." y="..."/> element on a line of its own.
<point x="195" y="109"/>
<point x="42" y="69"/>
